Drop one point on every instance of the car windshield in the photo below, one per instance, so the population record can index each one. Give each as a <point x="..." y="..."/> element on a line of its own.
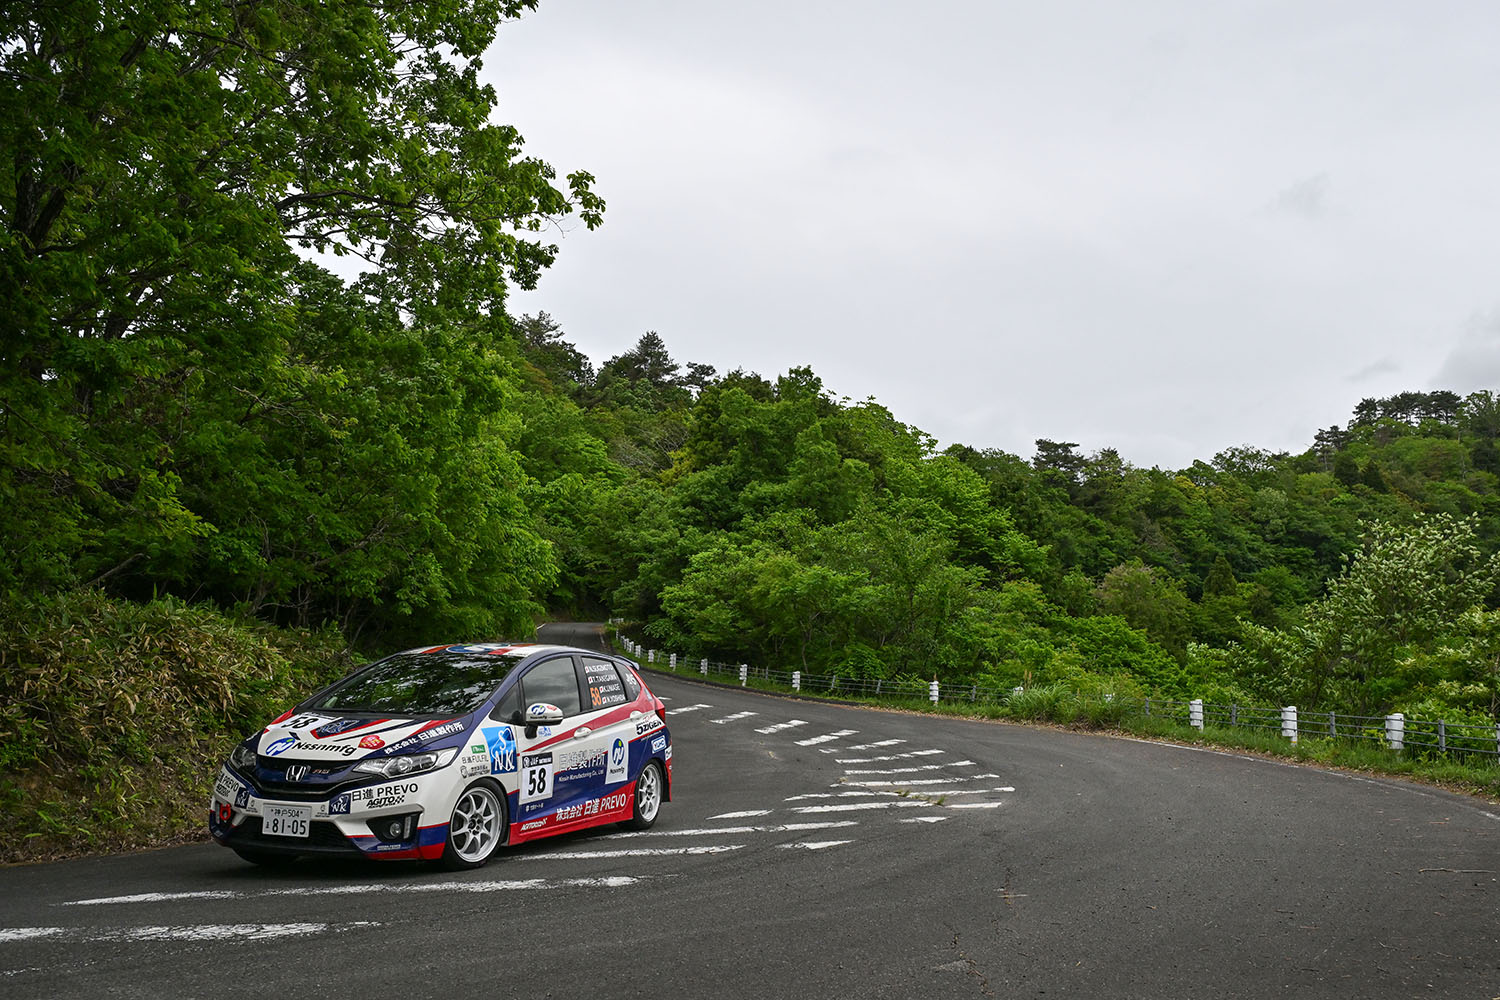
<point x="449" y="682"/>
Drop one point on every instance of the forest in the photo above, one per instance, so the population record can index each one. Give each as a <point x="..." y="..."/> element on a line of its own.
<point x="202" y="423"/>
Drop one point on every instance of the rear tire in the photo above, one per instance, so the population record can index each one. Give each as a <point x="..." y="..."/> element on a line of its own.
<point x="649" y="791"/>
<point x="478" y="826"/>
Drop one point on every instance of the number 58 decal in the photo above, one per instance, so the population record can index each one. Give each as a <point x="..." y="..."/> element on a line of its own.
<point x="536" y="776"/>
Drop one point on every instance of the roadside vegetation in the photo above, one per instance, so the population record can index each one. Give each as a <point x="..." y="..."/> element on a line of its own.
<point x="224" y="466"/>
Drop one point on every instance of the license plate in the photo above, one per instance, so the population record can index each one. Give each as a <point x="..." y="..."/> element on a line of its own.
<point x="285" y="820"/>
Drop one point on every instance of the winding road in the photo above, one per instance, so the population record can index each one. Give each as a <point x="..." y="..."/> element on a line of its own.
<point x="820" y="850"/>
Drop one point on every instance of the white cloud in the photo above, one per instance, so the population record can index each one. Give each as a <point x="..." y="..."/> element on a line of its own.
<point x="1474" y="363"/>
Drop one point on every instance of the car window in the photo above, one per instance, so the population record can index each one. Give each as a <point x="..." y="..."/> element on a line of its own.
<point x="554" y="682"/>
<point x="509" y="707"/>
<point x="632" y="683"/>
<point x="441" y="682"/>
<point x="602" y="687"/>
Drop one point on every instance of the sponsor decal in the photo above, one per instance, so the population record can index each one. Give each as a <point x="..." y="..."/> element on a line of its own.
<point x="648" y="725"/>
<point x="431" y="733"/>
<point x="371" y="743"/>
<point x="242" y="798"/>
<point x="669" y="751"/>
<point x="286" y="743"/>
<point x="533" y="825"/>
<point x="226" y="785"/>
<point x="478" y="647"/>
<point x="383" y="796"/>
<point x="659" y="744"/>
<point x="568" y="760"/>
<point x="544" y="731"/>
<point x="617" y="758"/>
<point x="536" y="777"/>
<point x="339" y="805"/>
<point x="593" y="807"/>
<point x="281" y="746"/>
<point x="499" y="748"/>
<point x="338" y="726"/>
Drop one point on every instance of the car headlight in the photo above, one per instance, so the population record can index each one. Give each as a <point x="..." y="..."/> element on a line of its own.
<point x="242" y="758"/>
<point x="416" y="763"/>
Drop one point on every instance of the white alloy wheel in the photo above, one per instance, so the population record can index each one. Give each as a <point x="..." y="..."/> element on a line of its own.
<point x="648" y="795"/>
<point x="476" y="829"/>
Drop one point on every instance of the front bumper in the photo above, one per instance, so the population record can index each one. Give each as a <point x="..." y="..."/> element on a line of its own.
<point x="351" y="823"/>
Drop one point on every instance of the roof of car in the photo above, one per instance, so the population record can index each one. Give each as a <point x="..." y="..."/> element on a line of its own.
<point x="505" y="648"/>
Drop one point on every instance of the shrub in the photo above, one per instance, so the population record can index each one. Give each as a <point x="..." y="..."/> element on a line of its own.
<point x="114" y="715"/>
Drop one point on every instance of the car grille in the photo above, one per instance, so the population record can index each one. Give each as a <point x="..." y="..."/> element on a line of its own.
<point x="299" y="791"/>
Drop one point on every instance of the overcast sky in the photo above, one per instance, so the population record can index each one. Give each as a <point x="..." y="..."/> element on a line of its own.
<point x="1163" y="226"/>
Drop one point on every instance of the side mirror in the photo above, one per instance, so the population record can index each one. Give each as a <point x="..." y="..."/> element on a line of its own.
<point x="541" y="714"/>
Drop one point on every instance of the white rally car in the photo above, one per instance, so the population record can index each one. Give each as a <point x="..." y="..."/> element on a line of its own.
<point x="446" y="753"/>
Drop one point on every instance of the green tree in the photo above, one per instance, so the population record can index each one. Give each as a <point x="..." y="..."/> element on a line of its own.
<point x="165" y="165"/>
<point x="1401" y="594"/>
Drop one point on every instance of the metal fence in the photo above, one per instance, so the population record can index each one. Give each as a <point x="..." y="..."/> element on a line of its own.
<point x="1395" y="732"/>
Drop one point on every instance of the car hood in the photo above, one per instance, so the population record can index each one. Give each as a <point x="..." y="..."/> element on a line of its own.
<point x="345" y="740"/>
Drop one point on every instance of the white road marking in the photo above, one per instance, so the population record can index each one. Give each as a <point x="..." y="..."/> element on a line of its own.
<point x="193" y="932"/>
<point x="351" y="889"/>
<point x="686" y="708"/>
<point x="709" y="831"/>
<point x="836" y="795"/>
<point x="732" y="718"/>
<point x="635" y="852"/>
<point x="852" y="806"/>
<point x="876" y="745"/>
<point x="826" y="737"/>
<point x="922" y="819"/>
<point x="922" y="781"/>
<point x="912" y="770"/>
<point x="815" y="845"/>
<point x="743" y="815"/>
<point x="881" y="760"/>
<point x="791" y="724"/>
<point x="976" y="805"/>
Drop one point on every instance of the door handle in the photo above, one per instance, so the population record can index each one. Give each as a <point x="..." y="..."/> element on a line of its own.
<point x="581" y="732"/>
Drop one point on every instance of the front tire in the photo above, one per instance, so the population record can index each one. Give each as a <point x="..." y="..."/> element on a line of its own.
<point x="476" y="828"/>
<point x="649" y="789"/>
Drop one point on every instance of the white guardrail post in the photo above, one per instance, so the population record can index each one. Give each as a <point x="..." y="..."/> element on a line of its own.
<point x="672" y="662"/>
<point x="932" y="692"/>
<point x="796" y="680"/>
<point x="703" y="666"/>
<point x="1289" y="722"/>
<point x="1195" y="714"/>
<point x="650" y="656"/>
<point x="1395" y="731"/>
<point x="744" y="673"/>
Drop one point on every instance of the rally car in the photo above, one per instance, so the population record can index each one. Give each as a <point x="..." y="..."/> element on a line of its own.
<point x="446" y="753"/>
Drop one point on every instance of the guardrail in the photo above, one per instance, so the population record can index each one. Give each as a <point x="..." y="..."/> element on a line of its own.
<point x="1395" y="731"/>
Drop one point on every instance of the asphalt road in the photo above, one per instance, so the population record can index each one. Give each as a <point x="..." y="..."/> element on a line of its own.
<point x="815" y="850"/>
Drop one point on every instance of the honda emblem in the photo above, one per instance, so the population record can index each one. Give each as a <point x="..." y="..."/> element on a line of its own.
<point x="296" y="772"/>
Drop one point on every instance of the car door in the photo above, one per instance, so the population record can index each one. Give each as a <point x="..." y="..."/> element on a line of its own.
<point x="555" y="761"/>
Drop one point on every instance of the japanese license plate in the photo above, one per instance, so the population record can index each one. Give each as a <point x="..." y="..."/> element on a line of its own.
<point x="278" y="820"/>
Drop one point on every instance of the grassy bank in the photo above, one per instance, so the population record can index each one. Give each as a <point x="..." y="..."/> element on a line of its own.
<point x="114" y="715"/>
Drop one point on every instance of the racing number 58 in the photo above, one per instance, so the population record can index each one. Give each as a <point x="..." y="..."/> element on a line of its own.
<point x="536" y="777"/>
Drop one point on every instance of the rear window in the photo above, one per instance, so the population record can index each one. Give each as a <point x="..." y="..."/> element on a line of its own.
<point x="444" y="683"/>
<point x="601" y="684"/>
